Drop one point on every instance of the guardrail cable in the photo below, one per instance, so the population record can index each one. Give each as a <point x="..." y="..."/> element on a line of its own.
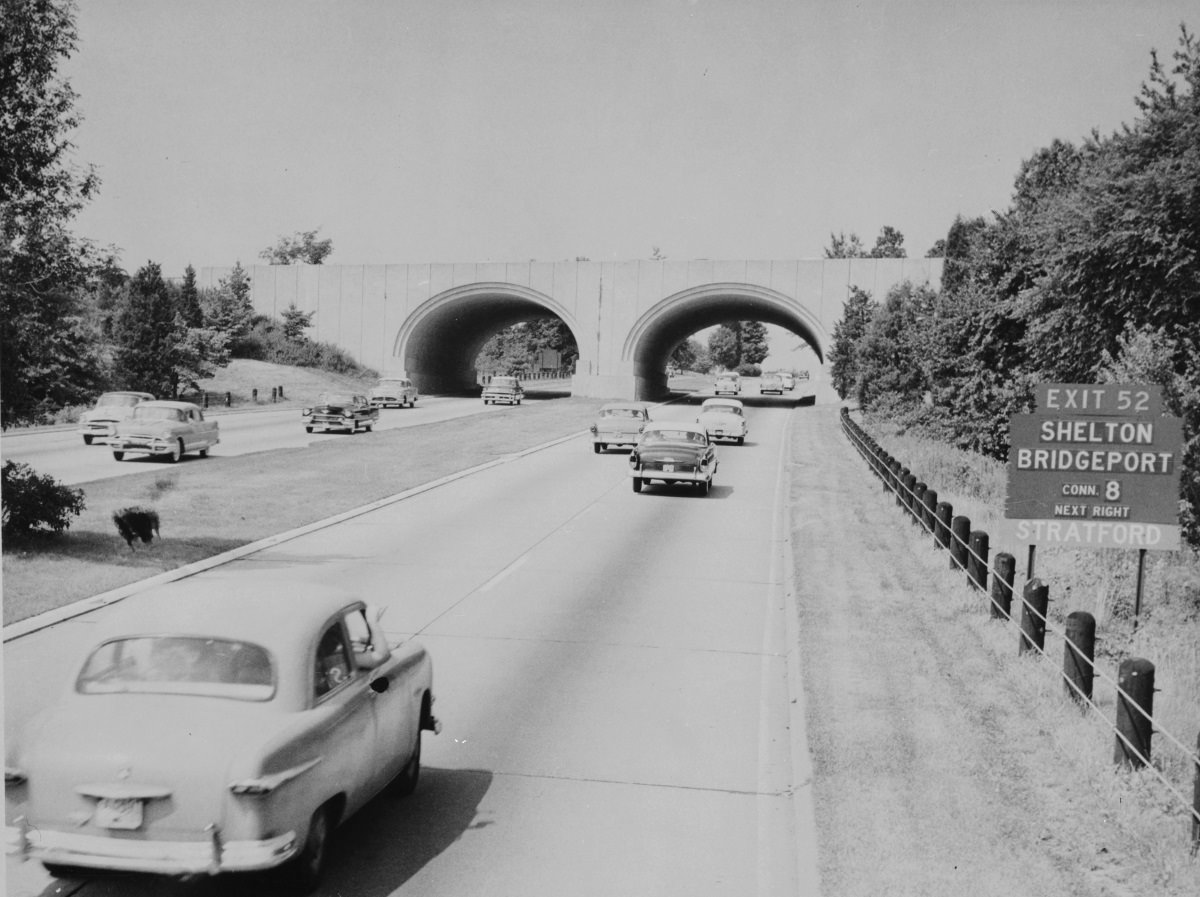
<point x="911" y="501"/>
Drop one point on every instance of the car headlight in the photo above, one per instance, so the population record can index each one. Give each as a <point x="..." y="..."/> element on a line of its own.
<point x="307" y="412"/>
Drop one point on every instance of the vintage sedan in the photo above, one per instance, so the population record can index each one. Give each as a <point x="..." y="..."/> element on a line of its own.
<point x="166" y="429"/>
<point x="729" y="384"/>
<point x="724" y="419"/>
<point x="673" y="452"/>
<point x="619" y="423"/>
<point x="112" y="407"/>
<point x="340" y="411"/>
<point x="770" y="383"/>
<point x="398" y="391"/>
<point x="503" y="389"/>
<point x="225" y="727"/>
<point x="788" y="378"/>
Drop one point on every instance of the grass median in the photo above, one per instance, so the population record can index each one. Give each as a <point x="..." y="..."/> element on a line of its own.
<point x="208" y="506"/>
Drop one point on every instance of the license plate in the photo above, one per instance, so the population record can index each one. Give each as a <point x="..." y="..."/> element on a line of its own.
<point x="123" y="813"/>
<point x="668" y="468"/>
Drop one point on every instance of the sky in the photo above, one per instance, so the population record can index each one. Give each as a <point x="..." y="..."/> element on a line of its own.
<point x="416" y="131"/>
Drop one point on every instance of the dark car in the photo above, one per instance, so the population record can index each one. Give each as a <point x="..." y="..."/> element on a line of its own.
<point x="340" y="411"/>
<point x="673" y="453"/>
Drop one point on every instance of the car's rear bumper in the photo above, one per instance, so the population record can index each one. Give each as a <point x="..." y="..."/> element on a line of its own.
<point x="209" y="856"/>
<point x="675" y="476"/>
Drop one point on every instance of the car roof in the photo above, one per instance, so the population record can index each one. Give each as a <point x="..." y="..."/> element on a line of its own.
<point x="272" y="611"/>
<point x="715" y="402"/>
<point x="676" y="425"/>
<point x="166" y="403"/>
<point x="125" y="392"/>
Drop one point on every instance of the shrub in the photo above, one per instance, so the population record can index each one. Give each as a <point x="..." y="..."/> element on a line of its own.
<point x="35" y="503"/>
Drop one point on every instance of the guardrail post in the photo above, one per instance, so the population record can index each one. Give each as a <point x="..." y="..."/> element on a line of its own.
<point x="254" y="395"/>
<point x="929" y="509"/>
<point x="1002" y="585"/>
<point x="960" y="532"/>
<point x="1135" y="678"/>
<point x="273" y="394"/>
<point x="228" y="399"/>
<point x="1078" y="653"/>
<point x="894" y="477"/>
<point x="977" y="560"/>
<point x="918" y="502"/>
<point x="906" y="494"/>
<point x="901" y="484"/>
<point x="206" y="400"/>
<point x="941" y="533"/>
<point x="1033" y="616"/>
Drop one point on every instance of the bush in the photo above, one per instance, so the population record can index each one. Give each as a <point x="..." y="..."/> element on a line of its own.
<point x="267" y="342"/>
<point x="35" y="503"/>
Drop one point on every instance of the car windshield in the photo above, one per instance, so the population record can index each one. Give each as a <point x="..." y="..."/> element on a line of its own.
<point x="627" y="413"/>
<point x="337" y="398"/>
<point x="158" y="412"/>
<point x="179" y="665"/>
<point x="504" y="381"/>
<point x="392" y="384"/>
<point x="659" y="437"/>
<point x="117" y="400"/>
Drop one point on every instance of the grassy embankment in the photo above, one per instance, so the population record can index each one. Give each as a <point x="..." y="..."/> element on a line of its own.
<point x="212" y="505"/>
<point x="1100" y="582"/>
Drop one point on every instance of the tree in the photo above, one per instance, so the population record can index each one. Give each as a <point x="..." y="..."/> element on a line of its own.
<point x="889" y="244"/>
<point x="843" y="247"/>
<point x="843" y="362"/>
<point x="188" y="300"/>
<point x="295" y="322"/>
<point x="145" y="335"/>
<point x="49" y="356"/>
<point x="228" y="308"/>
<point x="303" y="246"/>
<point x="754" y="342"/>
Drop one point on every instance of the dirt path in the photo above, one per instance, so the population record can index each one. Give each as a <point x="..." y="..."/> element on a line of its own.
<point x="935" y="759"/>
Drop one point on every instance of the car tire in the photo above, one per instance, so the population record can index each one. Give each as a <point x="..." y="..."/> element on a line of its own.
<point x="637" y="484"/>
<point x="302" y="873"/>
<point x="118" y="456"/>
<point x="203" y="453"/>
<point x="87" y="440"/>
<point x="308" y="429"/>
<point x="176" y="452"/>
<point x="405" y="782"/>
<point x="741" y="440"/>
<point x="596" y="447"/>
<point x="368" y="427"/>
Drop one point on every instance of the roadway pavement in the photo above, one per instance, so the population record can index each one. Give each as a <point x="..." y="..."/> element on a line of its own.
<point x="615" y="673"/>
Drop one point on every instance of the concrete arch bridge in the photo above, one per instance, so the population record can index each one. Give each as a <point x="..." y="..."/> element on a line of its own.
<point x="430" y="321"/>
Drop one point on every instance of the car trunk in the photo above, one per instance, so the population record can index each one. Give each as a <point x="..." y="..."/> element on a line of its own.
<point x="172" y="752"/>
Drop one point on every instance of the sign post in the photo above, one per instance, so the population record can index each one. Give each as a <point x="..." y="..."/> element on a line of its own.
<point x="1096" y="466"/>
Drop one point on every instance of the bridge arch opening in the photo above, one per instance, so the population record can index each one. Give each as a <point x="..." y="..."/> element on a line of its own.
<point x="441" y="341"/>
<point x="655" y="336"/>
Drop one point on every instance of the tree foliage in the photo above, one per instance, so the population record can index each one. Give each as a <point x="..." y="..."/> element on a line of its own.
<point x="48" y="352"/>
<point x="301" y="247"/>
<point x="1092" y="272"/>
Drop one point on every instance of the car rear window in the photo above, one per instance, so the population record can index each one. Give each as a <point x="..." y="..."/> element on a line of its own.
<point x="183" y="665"/>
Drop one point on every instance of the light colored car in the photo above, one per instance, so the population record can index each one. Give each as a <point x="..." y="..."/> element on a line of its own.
<point x="100" y="423"/>
<point x="398" y="391"/>
<point x="770" y="383"/>
<point x="788" y="378"/>
<point x="503" y="389"/>
<point x="724" y="419"/>
<point x="340" y="411"/>
<point x="673" y="452"/>
<point x="728" y="383"/>
<point x="221" y="729"/>
<point x="167" y="429"/>
<point x="619" y="423"/>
